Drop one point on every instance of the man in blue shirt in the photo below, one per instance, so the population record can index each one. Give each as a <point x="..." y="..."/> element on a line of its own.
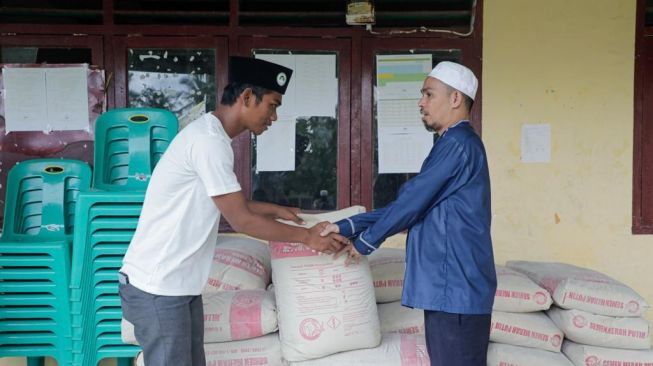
<point x="446" y="210"/>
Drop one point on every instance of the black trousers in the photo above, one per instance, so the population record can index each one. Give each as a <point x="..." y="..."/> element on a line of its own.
<point x="457" y="339"/>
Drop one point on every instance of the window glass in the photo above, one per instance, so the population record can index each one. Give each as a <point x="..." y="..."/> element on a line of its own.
<point x="386" y="185"/>
<point x="180" y="80"/>
<point x="312" y="184"/>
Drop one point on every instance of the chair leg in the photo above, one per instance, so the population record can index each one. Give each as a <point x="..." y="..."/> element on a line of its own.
<point x="125" y="361"/>
<point x="35" y="361"/>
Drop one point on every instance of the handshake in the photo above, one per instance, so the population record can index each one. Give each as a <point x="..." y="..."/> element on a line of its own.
<point x="325" y="238"/>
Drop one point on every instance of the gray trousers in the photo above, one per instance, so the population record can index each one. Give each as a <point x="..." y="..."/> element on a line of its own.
<point x="170" y="329"/>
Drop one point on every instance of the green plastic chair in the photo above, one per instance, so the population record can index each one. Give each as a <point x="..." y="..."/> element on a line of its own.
<point x="128" y="144"/>
<point x="40" y="201"/>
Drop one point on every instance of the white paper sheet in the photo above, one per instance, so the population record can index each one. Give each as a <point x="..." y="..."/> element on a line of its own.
<point x="46" y="99"/>
<point x="317" y="85"/>
<point x="275" y="148"/>
<point x="67" y="98"/>
<point x="403" y="149"/>
<point x="25" y="99"/>
<point x="536" y="143"/>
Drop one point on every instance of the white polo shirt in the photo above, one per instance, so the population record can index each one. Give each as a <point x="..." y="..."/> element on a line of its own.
<point x="172" y="250"/>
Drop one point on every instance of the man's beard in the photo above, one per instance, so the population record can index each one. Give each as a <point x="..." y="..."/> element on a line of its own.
<point x="428" y="128"/>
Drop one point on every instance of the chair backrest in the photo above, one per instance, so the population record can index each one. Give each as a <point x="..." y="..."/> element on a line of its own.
<point x="41" y="197"/>
<point x="128" y="144"/>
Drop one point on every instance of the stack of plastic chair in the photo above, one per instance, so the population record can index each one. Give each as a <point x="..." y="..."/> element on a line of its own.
<point x="35" y="254"/>
<point x="107" y="221"/>
<point x="128" y="144"/>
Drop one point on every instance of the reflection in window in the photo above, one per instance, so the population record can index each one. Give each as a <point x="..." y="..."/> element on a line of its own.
<point x="386" y="186"/>
<point x="312" y="185"/>
<point x="180" y="80"/>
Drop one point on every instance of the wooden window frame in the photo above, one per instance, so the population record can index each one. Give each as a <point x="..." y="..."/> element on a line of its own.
<point x="642" y="222"/>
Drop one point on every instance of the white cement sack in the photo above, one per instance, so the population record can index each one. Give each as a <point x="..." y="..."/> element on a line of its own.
<point x="396" y="318"/>
<point x="262" y="351"/>
<point x="311" y="219"/>
<point x="236" y="315"/>
<point x="517" y="293"/>
<point x="578" y="288"/>
<point x="239" y="263"/>
<point x="499" y="354"/>
<point x="323" y="306"/>
<point x="534" y="330"/>
<point x="230" y="316"/>
<point x="395" y="350"/>
<point x="583" y="355"/>
<point x="388" y="266"/>
<point x="599" y="330"/>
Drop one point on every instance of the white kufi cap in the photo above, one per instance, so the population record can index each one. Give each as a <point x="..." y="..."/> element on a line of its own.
<point x="456" y="76"/>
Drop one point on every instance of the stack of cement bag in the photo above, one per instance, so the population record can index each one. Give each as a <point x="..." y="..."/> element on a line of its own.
<point x="325" y="311"/>
<point x="600" y="317"/>
<point x="521" y="334"/>
<point x="240" y="315"/>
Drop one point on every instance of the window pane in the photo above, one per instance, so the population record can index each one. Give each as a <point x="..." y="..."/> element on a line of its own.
<point x="386" y="186"/>
<point x="50" y="55"/>
<point x="180" y="80"/>
<point x="312" y="185"/>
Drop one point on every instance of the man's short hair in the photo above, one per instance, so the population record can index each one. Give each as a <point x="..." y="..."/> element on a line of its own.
<point x="233" y="90"/>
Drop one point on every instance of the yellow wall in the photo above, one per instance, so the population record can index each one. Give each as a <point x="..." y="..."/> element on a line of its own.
<point x="569" y="64"/>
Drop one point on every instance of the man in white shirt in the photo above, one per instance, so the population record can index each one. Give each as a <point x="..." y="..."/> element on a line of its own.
<point x="170" y="255"/>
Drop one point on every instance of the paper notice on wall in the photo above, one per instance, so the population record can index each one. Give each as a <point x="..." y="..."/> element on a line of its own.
<point x="401" y="76"/>
<point x="403" y="149"/>
<point x="46" y="99"/>
<point x="25" y="99"/>
<point x="317" y="85"/>
<point x="398" y="113"/>
<point x="275" y="148"/>
<point x="67" y="98"/>
<point x="313" y="87"/>
<point x="536" y="143"/>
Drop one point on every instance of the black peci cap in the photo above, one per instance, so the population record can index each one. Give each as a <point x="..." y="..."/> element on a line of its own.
<point x="268" y="75"/>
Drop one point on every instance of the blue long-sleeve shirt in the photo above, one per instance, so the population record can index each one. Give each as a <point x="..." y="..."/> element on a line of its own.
<point x="446" y="208"/>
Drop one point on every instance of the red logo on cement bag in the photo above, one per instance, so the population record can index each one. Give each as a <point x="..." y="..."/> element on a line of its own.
<point x="580" y="321"/>
<point x="310" y="329"/>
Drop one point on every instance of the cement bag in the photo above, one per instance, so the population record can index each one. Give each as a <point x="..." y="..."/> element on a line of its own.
<point x="534" y="330"/>
<point x="262" y="351"/>
<point x="239" y="263"/>
<point x="499" y="354"/>
<point x="396" y="318"/>
<point x="583" y="289"/>
<point x="395" y="350"/>
<point x="332" y="216"/>
<point x="583" y="355"/>
<point x="388" y="266"/>
<point x="599" y="330"/>
<point x="323" y="307"/>
<point x="230" y="316"/>
<point x="236" y="315"/>
<point x="517" y="293"/>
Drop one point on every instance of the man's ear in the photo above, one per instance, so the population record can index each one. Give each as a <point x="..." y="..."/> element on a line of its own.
<point x="247" y="96"/>
<point x="457" y="99"/>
